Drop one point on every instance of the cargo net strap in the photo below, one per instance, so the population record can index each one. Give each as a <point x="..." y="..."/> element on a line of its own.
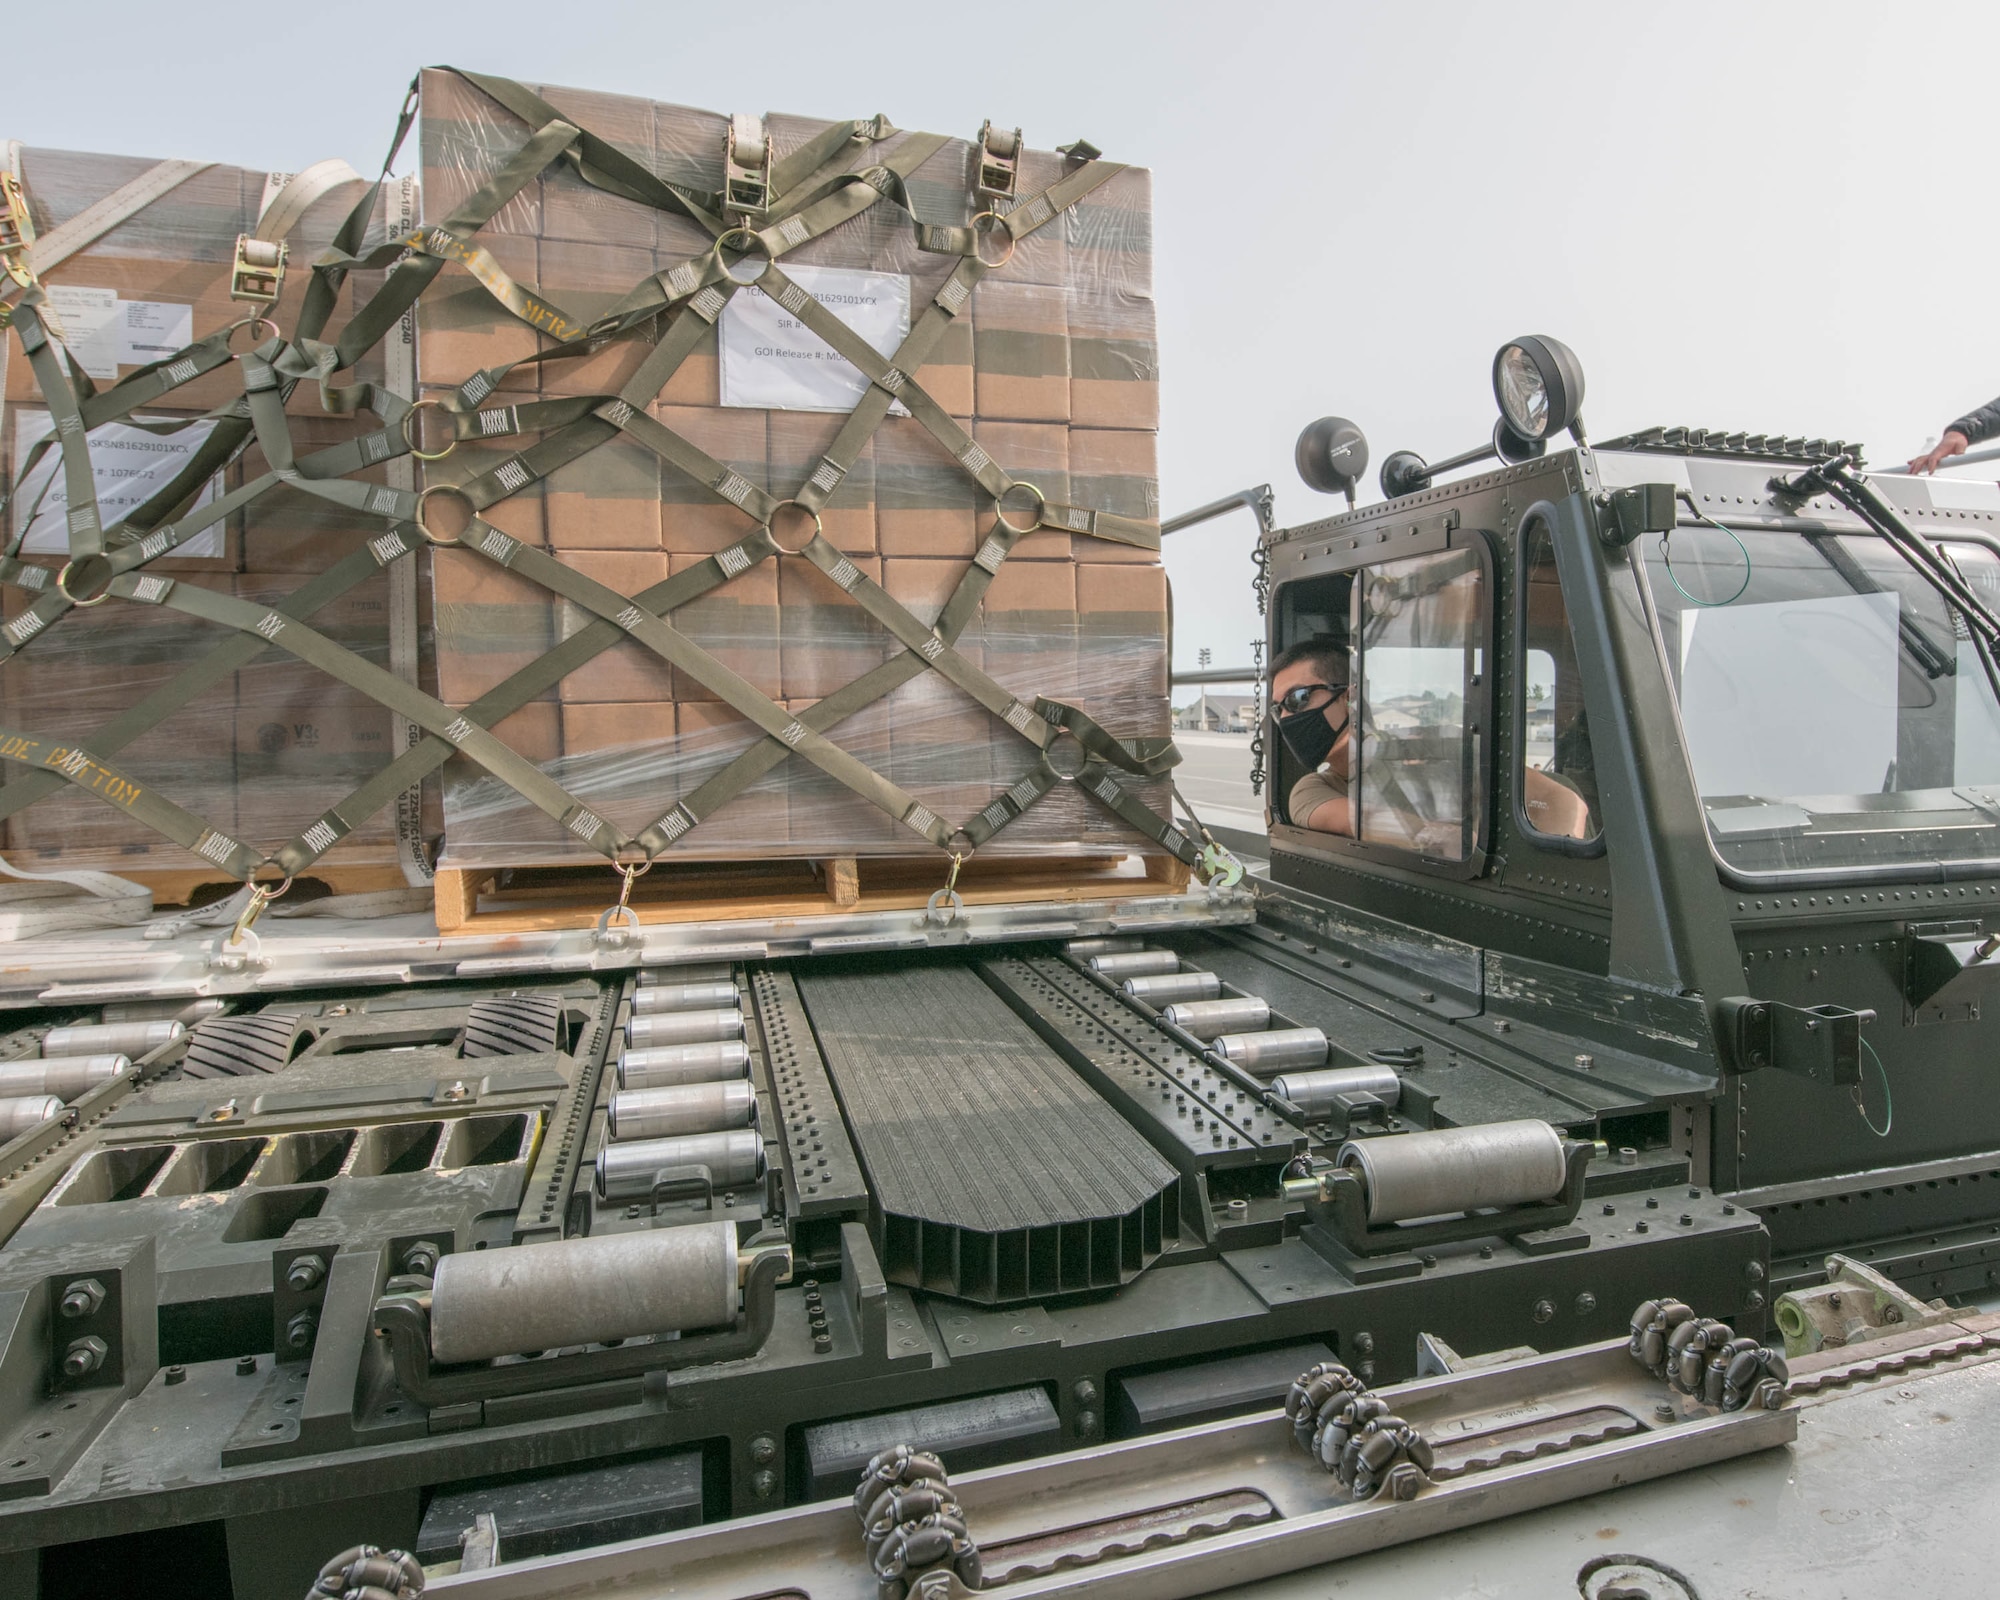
<point x="816" y="188"/>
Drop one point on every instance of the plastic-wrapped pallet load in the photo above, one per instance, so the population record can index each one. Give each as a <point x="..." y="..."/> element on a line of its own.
<point x="1050" y="369"/>
<point x="782" y="488"/>
<point x="255" y="750"/>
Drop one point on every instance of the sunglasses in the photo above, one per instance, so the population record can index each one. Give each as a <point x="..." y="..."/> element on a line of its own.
<point x="1305" y="697"/>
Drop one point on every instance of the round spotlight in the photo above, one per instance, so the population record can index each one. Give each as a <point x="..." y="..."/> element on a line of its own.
<point x="1331" y="456"/>
<point x="1538" y="384"/>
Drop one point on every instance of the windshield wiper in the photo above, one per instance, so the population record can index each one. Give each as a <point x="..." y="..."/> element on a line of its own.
<point x="1835" y="476"/>
<point x="1923" y="649"/>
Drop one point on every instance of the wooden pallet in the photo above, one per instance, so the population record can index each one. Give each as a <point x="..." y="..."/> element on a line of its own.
<point x="199" y="886"/>
<point x="538" y="899"/>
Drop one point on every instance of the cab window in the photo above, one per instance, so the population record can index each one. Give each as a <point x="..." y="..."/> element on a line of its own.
<point x="1555" y="782"/>
<point x="1420" y="626"/>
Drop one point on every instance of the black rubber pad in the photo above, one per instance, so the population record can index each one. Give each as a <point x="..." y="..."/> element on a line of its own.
<point x="998" y="1172"/>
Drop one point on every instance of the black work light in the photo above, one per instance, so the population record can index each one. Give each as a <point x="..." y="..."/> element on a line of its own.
<point x="1538" y="384"/>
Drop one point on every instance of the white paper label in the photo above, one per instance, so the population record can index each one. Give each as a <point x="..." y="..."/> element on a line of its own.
<point x="104" y="331"/>
<point x="773" y="361"/>
<point x="128" y="466"/>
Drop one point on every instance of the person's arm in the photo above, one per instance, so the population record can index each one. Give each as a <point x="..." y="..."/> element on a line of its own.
<point x="1975" y="427"/>
<point x="1319" y="805"/>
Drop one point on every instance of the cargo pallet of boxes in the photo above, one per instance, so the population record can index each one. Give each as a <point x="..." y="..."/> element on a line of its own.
<point x="776" y="518"/>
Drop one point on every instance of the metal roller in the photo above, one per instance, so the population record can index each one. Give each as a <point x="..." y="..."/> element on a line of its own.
<point x="489" y="1303"/>
<point x="684" y="997"/>
<point x="715" y="1062"/>
<point x="1316" y="1093"/>
<point x="1169" y="987"/>
<point x="27" y="1111"/>
<point x="681" y="1109"/>
<point x="1084" y="949"/>
<point x="67" y="1077"/>
<point x="627" y="1171"/>
<point x="134" y="1039"/>
<point x="1445" y="1170"/>
<point x="1275" y="1050"/>
<point x="683" y="1027"/>
<point x="1135" y="963"/>
<point x="1210" y="1019"/>
<point x="697" y="972"/>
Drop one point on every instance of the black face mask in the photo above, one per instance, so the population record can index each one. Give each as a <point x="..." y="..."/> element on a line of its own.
<point x="1310" y="737"/>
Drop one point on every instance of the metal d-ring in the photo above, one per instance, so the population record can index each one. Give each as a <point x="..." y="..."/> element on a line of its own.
<point x="424" y="527"/>
<point x="260" y="897"/>
<point x="945" y="904"/>
<point x="410" y="433"/>
<point x="999" y="226"/>
<point x="722" y="240"/>
<point x="771" y="527"/>
<point x="1000" y="506"/>
<point x="252" y="323"/>
<point x="62" y="583"/>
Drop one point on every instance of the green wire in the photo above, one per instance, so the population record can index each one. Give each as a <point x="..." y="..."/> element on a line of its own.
<point x="1888" y="1100"/>
<point x="1667" y="560"/>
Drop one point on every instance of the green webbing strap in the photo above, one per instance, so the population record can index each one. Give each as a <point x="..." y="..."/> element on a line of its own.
<point x="187" y="684"/>
<point x="297" y="639"/>
<point x="505" y="698"/>
<point x="414" y="274"/>
<point x="115" y="788"/>
<point x="86" y="532"/>
<point x="1147" y="758"/>
<point x="927" y="642"/>
<point x="599" y="163"/>
<point x="741" y="695"/>
<point x="826" y="713"/>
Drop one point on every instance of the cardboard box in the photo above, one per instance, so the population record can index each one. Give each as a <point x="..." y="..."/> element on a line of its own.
<point x="1028" y="630"/>
<point x="797" y="445"/>
<point x="925" y="587"/>
<point x="461" y="329"/>
<point x="606" y="499"/>
<point x="621" y="761"/>
<point x="826" y="639"/>
<point x="1036" y="453"/>
<point x="737" y="623"/>
<point x="925" y="504"/>
<point x="695" y="519"/>
<point x="823" y="813"/>
<point x="1122" y="615"/>
<point x="489" y="823"/>
<point x="628" y="671"/>
<point x="489" y="624"/>
<point x="286" y="529"/>
<point x="710" y="736"/>
<point x="1115" y="470"/>
<point x="1020" y="351"/>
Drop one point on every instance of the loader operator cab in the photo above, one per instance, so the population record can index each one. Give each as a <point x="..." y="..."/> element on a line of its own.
<point x="1711" y="715"/>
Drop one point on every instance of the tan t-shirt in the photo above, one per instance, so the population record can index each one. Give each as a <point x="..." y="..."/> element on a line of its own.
<point x="1311" y="792"/>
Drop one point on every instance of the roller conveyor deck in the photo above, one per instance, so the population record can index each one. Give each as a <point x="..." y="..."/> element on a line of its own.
<point x="998" y="1172"/>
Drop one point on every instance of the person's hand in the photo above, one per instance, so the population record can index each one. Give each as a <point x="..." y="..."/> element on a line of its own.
<point x="1952" y="444"/>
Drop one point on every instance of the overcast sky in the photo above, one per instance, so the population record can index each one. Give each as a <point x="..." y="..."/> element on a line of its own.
<point x="1755" y="216"/>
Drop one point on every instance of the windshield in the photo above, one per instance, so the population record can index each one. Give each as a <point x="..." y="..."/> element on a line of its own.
<point x="1838" y="716"/>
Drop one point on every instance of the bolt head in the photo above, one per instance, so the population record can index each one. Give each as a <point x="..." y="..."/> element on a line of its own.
<point x="1086" y="1422"/>
<point x="763" y="1450"/>
<point x="1545" y="1311"/>
<point x="305" y="1273"/>
<point x="84" y="1356"/>
<point x="245" y="1366"/>
<point x="764" y="1484"/>
<point x="1085" y="1392"/>
<point x="82" y="1298"/>
<point x="300" y="1330"/>
<point x="1364" y="1343"/>
<point x="1586" y="1303"/>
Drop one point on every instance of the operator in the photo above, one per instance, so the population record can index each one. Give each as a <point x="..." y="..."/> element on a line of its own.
<point x="1310" y="684"/>
<point x="1975" y="427"/>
